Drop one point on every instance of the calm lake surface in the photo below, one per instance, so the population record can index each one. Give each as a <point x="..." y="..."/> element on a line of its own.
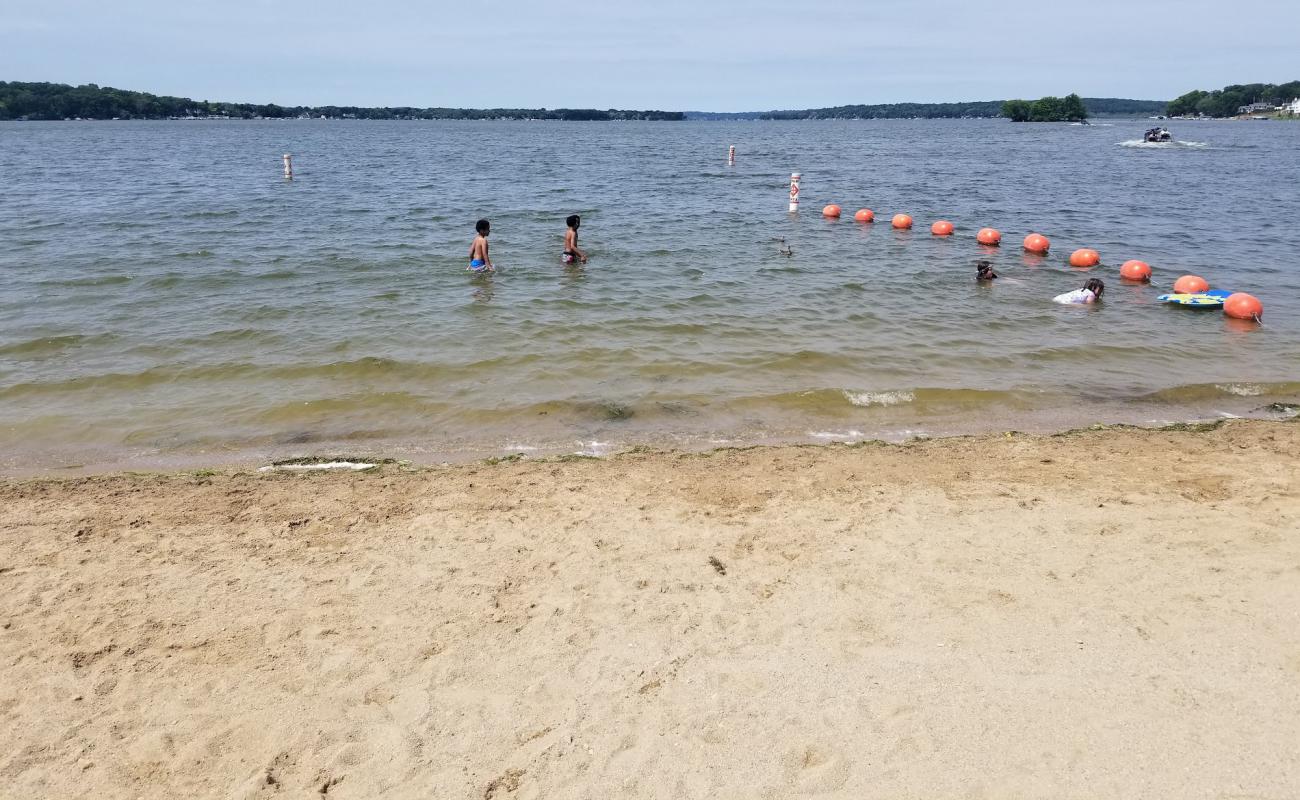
<point x="168" y="298"/>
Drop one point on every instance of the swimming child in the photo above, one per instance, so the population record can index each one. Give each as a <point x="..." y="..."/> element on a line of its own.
<point x="571" y="250"/>
<point x="479" y="260"/>
<point x="984" y="271"/>
<point x="1090" y="293"/>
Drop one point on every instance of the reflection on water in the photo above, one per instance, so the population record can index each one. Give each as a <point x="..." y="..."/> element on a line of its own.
<point x="483" y="287"/>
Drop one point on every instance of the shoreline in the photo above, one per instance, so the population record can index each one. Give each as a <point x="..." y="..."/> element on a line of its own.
<point x="606" y="428"/>
<point x="1098" y="613"/>
<point x="899" y="427"/>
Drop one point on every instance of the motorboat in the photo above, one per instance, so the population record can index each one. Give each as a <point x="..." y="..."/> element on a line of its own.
<point x="1154" y="135"/>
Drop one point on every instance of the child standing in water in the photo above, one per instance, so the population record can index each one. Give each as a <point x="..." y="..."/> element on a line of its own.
<point x="571" y="250"/>
<point x="1090" y="293"/>
<point x="479" y="260"/>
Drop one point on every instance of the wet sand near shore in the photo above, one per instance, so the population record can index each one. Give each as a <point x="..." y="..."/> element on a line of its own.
<point x="1109" y="613"/>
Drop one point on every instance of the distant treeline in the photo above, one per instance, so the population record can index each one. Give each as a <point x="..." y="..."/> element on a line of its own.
<point x="893" y="111"/>
<point x="54" y="101"/>
<point x="50" y="101"/>
<point x="984" y="108"/>
<point x="1227" y="101"/>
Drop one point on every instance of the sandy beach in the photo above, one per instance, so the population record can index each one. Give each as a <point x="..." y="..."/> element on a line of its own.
<point x="1108" y="613"/>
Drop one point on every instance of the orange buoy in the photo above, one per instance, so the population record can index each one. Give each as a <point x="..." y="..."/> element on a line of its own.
<point x="1190" y="284"/>
<point x="831" y="210"/>
<point x="1037" y="243"/>
<point x="865" y="215"/>
<point x="941" y="228"/>
<point x="1084" y="257"/>
<point x="1135" y="270"/>
<point x="902" y="221"/>
<point x="1240" y="305"/>
<point x="989" y="236"/>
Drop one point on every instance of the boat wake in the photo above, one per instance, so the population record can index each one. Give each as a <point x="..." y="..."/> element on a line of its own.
<point x="1175" y="145"/>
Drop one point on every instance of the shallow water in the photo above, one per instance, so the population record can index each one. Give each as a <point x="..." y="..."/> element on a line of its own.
<point x="168" y="297"/>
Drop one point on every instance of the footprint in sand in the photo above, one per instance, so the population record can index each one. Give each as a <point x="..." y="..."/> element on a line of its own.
<point x="815" y="769"/>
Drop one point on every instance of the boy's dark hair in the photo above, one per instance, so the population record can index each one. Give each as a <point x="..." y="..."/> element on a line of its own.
<point x="482" y="226"/>
<point x="572" y="220"/>
<point x="1095" y="286"/>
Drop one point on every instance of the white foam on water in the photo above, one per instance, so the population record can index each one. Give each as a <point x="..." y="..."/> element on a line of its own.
<point x="519" y="448"/>
<point x="1227" y="415"/>
<point x="1141" y="143"/>
<point x="865" y="399"/>
<point x="1240" y="389"/>
<point x="352" y="465"/>
<point x="837" y="436"/>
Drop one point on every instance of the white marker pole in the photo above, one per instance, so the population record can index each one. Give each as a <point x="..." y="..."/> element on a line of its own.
<point x="794" y="192"/>
<point x="731" y="156"/>
<point x="288" y="167"/>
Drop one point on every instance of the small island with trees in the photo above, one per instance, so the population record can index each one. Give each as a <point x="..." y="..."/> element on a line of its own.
<point x="1046" y="109"/>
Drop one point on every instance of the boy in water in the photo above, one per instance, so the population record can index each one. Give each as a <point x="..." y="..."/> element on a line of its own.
<point x="571" y="251"/>
<point x="1090" y="293"/>
<point x="479" y="260"/>
<point x="984" y="271"/>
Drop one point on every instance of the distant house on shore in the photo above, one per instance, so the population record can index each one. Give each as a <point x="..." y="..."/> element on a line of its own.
<point x="1291" y="108"/>
<point x="1254" y="108"/>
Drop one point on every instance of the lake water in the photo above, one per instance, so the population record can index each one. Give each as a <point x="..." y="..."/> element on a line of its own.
<point x="168" y="298"/>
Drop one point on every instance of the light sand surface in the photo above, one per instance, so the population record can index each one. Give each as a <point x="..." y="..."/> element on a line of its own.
<point x="1099" y="614"/>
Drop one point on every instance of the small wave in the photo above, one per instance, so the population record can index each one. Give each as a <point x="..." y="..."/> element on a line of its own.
<point x="866" y="399"/>
<point x="319" y="411"/>
<point x="210" y="214"/>
<point x="837" y="436"/>
<point x="50" y="345"/>
<point x="919" y="401"/>
<point x="196" y="254"/>
<point x="232" y="335"/>
<point x="90" y="280"/>
<point x="1209" y="392"/>
<point x="167" y="281"/>
<point x="594" y="449"/>
<point x="1241" y="389"/>
<point x="277" y="275"/>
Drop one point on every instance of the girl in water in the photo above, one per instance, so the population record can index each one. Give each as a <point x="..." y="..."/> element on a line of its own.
<point x="1090" y="293"/>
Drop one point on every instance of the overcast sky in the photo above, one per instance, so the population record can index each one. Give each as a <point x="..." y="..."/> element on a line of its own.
<point x="717" y="55"/>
